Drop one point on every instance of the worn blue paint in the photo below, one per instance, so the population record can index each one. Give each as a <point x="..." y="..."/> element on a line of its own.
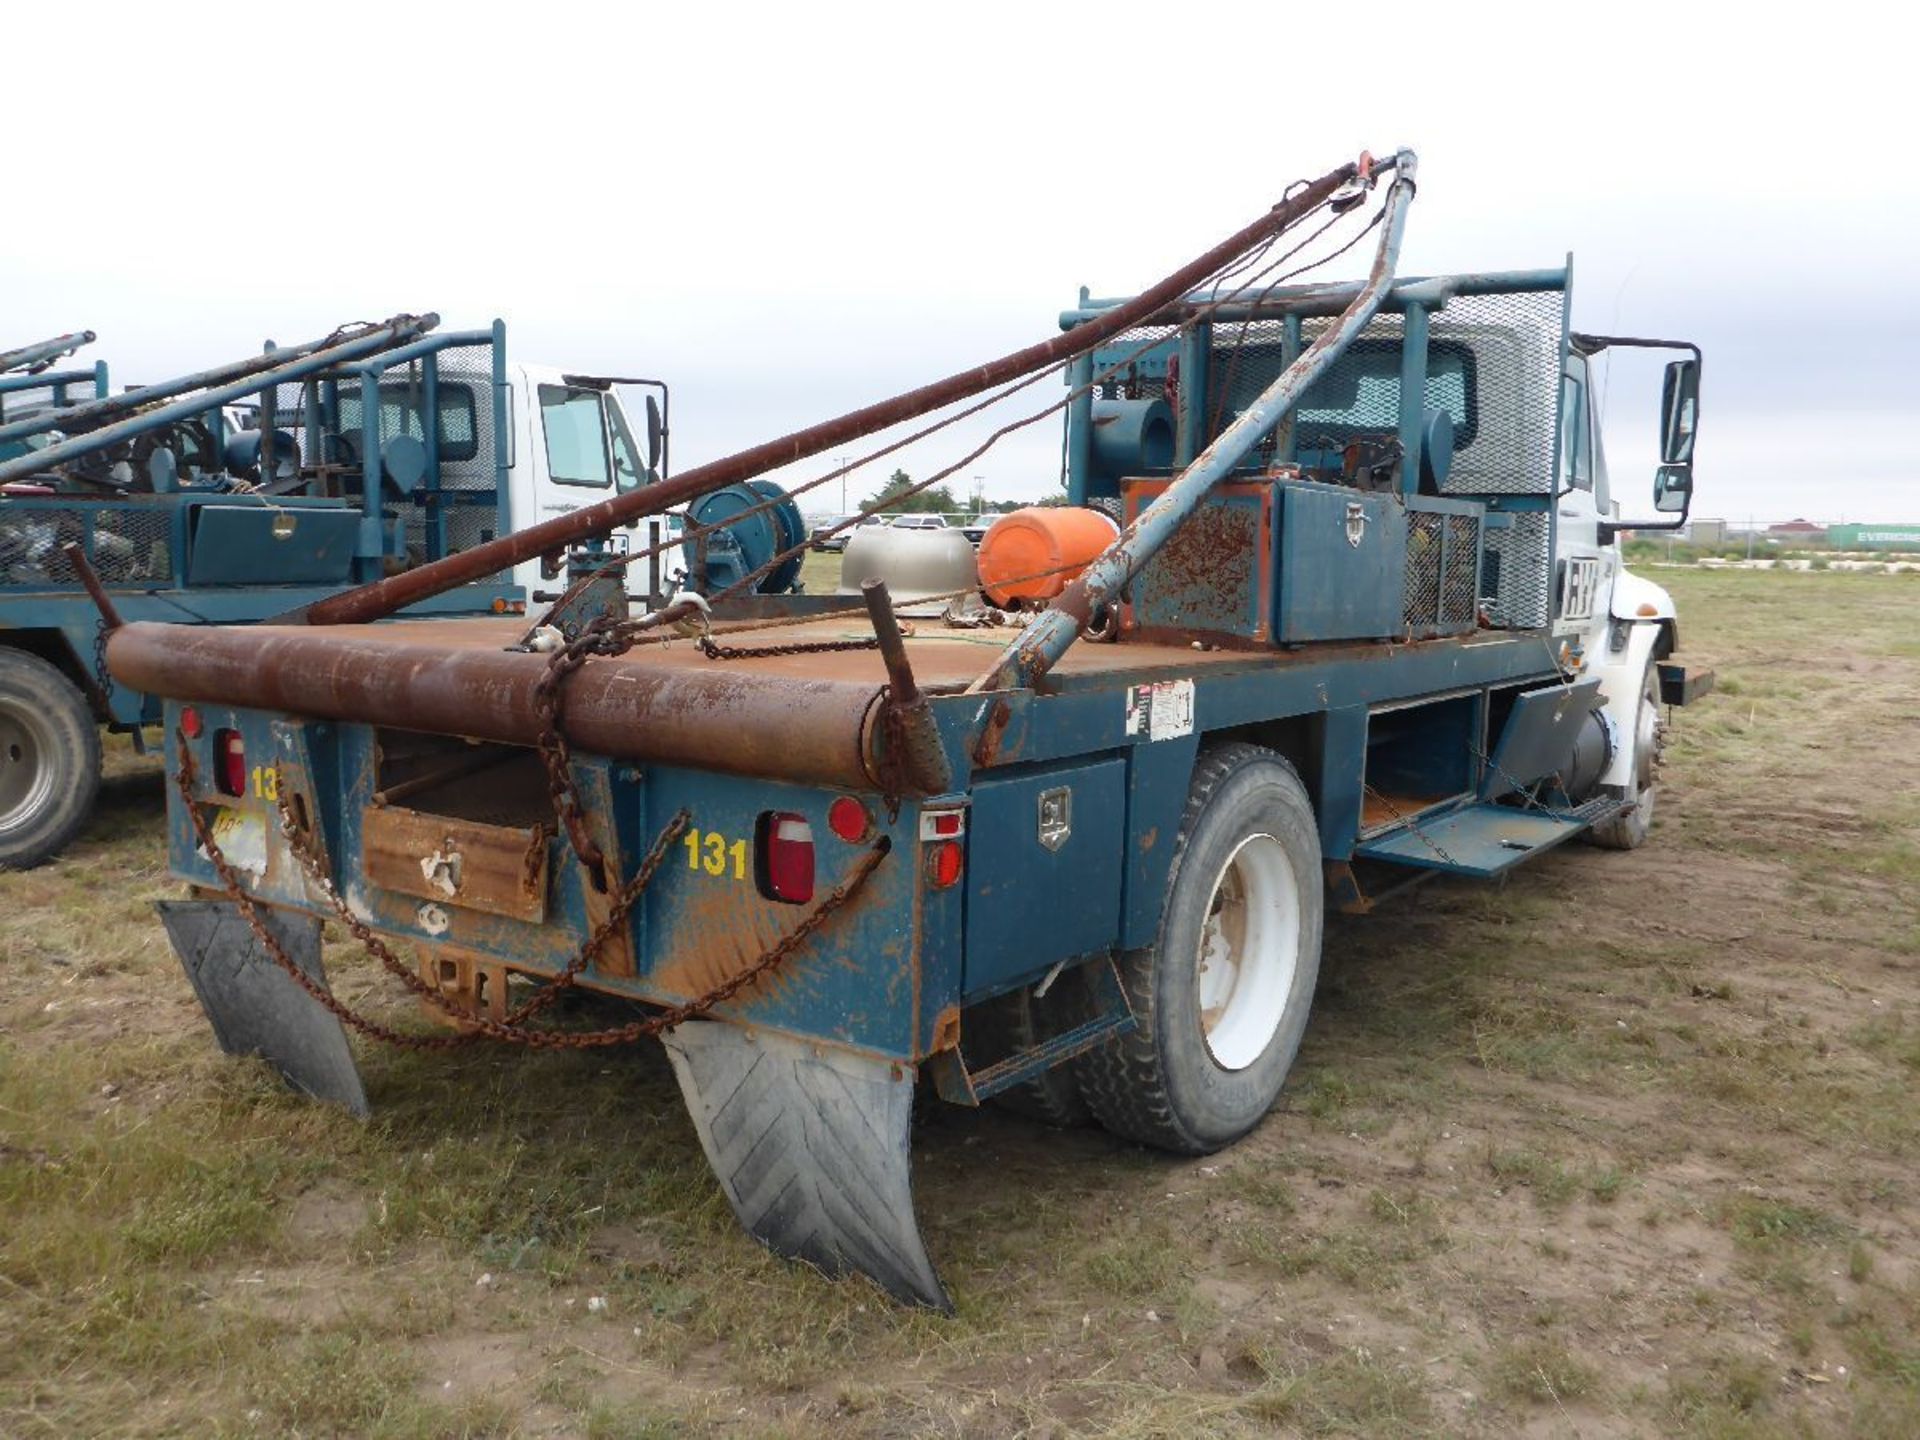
<point x="1030" y="906"/>
<point x="1158" y="776"/>
<point x="1340" y="577"/>
<point x="1035" y="650"/>
<point x="889" y="976"/>
<point x="1480" y="841"/>
<point x="1216" y="575"/>
<point x="202" y="555"/>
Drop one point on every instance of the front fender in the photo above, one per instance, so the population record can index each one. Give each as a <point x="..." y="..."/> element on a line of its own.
<point x="1621" y="674"/>
<point x="1637" y="598"/>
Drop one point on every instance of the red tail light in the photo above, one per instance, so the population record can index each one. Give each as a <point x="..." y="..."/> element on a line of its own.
<point x="190" y="724"/>
<point x="229" y="762"/>
<point x="786" y="857"/>
<point x="944" y="864"/>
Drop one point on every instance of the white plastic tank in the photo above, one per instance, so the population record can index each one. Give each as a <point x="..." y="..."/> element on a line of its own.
<point x="916" y="564"/>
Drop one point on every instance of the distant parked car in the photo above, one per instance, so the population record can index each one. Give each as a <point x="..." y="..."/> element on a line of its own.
<point x="918" y="522"/>
<point x="823" y="537"/>
<point x="976" y="529"/>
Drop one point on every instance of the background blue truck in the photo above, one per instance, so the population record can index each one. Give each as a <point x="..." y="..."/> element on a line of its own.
<point x="164" y="491"/>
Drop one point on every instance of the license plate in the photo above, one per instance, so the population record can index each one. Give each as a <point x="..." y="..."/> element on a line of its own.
<point x="242" y="838"/>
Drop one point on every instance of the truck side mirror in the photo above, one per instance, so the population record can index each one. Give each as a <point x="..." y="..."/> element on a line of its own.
<point x="654" y="430"/>
<point x="1673" y="488"/>
<point x="1679" y="412"/>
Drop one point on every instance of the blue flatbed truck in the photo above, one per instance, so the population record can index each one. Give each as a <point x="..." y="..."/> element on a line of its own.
<point x="163" y="491"/>
<point x="1366" y="622"/>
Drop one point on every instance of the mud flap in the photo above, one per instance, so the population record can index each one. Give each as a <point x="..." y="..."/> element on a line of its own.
<point x="810" y="1145"/>
<point x="254" y="1008"/>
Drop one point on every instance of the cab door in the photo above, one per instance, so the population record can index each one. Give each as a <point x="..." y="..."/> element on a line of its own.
<point x="1583" y="567"/>
<point x="562" y="458"/>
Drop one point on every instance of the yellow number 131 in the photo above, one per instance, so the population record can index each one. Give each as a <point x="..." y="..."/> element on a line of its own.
<point x="713" y="853"/>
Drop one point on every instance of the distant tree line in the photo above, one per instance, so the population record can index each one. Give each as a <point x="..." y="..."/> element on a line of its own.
<point x="940" y="500"/>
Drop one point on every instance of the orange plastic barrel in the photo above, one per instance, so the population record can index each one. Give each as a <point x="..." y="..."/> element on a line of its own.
<point x="1031" y="554"/>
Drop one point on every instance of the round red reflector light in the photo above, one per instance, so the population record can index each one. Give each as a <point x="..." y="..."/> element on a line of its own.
<point x="190" y="724"/>
<point x="848" y="819"/>
<point x="943" y="864"/>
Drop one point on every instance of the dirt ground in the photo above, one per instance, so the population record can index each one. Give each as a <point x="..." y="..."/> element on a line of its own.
<point x="1624" y="1146"/>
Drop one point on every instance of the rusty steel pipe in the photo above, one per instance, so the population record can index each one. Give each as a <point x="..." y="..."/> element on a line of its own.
<point x="1039" y="646"/>
<point x="455" y="677"/>
<point x="383" y="597"/>
<point x="89" y="578"/>
<point x="922" y="760"/>
<point x="893" y="649"/>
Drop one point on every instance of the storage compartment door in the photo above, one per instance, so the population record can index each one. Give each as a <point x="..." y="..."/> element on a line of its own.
<point x="1043" y="869"/>
<point x="1342" y="564"/>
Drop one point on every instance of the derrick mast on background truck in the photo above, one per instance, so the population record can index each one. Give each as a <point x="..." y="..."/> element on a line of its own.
<point x="1364" y="623"/>
<point x="252" y="489"/>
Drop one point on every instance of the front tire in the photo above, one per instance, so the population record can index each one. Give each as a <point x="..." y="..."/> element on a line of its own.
<point x="1222" y="995"/>
<point x="1629" y="829"/>
<point x="49" y="760"/>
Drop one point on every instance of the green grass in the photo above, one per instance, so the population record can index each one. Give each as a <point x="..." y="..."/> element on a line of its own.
<point x="1543" y="1138"/>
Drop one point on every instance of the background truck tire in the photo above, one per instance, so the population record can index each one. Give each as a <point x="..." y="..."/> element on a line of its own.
<point x="1629" y="831"/>
<point x="49" y="760"/>
<point x="1249" y="846"/>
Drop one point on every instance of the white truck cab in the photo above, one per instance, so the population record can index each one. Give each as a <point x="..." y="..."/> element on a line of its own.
<point x="579" y="448"/>
<point x="1608" y="622"/>
<point x="570" y="443"/>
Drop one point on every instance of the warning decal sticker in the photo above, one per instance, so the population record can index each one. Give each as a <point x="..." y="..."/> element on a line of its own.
<point x="1160" y="711"/>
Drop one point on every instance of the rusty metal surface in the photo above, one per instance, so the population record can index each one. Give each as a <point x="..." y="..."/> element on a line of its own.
<point x="384" y="597"/>
<point x="1053" y="631"/>
<point x="499" y="869"/>
<point x="793" y="716"/>
<point x="911" y="741"/>
<point x="688" y="710"/>
<point x="96" y="592"/>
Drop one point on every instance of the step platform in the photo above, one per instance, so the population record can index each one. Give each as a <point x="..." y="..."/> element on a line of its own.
<point x="1483" y="840"/>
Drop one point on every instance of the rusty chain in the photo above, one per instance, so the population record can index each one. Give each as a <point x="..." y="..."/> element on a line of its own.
<point x="512" y="1029"/>
<point x="1413" y="827"/>
<point x="714" y="650"/>
<point x="557" y="756"/>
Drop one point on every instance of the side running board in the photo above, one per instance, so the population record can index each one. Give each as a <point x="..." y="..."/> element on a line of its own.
<point x="810" y="1146"/>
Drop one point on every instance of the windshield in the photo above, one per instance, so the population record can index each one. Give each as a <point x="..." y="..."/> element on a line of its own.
<point x="576" y="435"/>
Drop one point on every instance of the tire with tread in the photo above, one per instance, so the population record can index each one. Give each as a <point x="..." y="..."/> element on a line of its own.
<point x="49" y="760"/>
<point x="1161" y="1084"/>
<point x="1628" y="830"/>
<point x="1017" y="1021"/>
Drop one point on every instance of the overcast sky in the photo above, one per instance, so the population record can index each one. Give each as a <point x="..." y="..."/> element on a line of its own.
<point x="791" y="211"/>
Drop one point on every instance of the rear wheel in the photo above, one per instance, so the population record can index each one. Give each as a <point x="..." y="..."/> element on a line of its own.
<point x="49" y="760"/>
<point x="1628" y="830"/>
<point x="1222" y="995"/>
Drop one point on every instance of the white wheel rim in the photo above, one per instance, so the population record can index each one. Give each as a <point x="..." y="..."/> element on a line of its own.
<point x="26" y="773"/>
<point x="1646" y="742"/>
<point x="1249" y="950"/>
